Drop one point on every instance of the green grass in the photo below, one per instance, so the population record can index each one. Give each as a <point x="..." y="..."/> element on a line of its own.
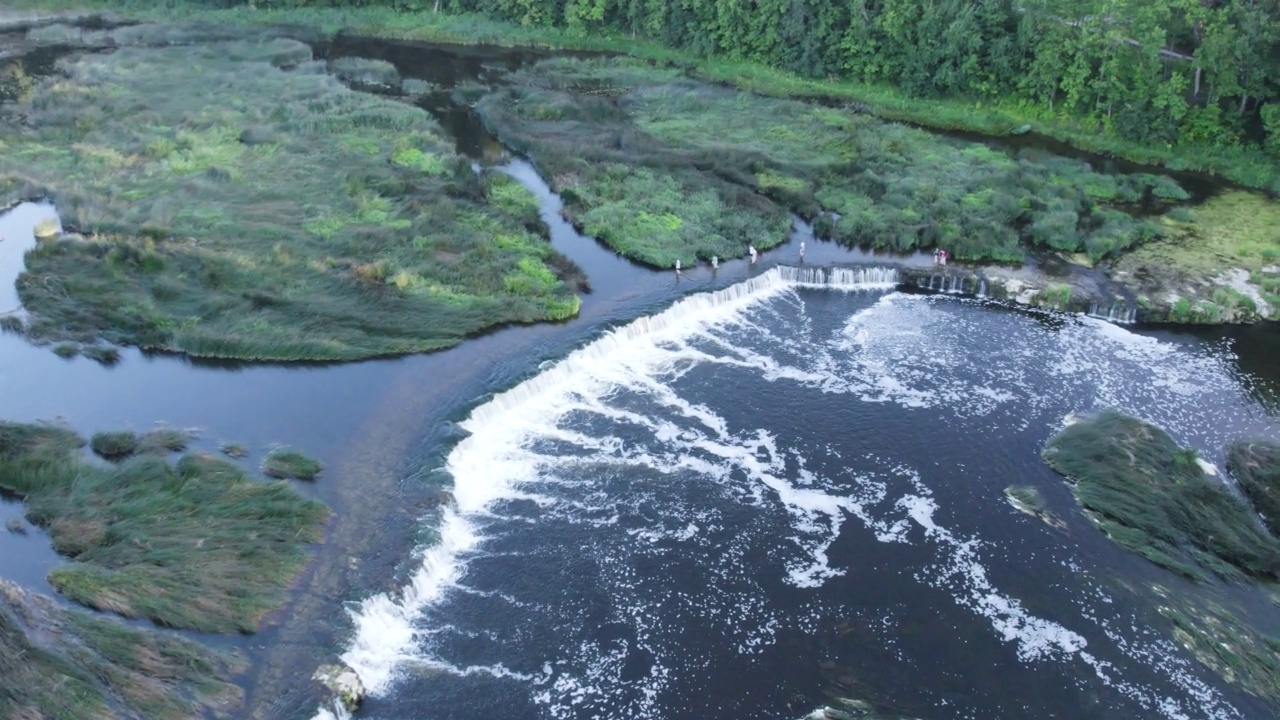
<point x="1151" y="496"/>
<point x="197" y="545"/>
<point x="115" y="445"/>
<point x="239" y="209"/>
<point x="1256" y="466"/>
<point x="283" y="463"/>
<point x="69" y="665"/>
<point x="662" y="167"/>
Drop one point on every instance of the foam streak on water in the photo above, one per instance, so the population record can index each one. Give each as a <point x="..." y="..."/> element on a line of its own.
<point x="628" y="447"/>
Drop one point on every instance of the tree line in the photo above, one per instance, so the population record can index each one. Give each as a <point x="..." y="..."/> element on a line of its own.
<point x="1196" y="72"/>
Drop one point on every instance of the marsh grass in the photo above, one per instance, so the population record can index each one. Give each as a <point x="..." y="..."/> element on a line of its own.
<point x="116" y="445"/>
<point x="164" y="440"/>
<point x="237" y="209"/>
<point x="650" y="161"/>
<point x="57" y="663"/>
<point x="1150" y="496"/>
<point x="198" y="545"/>
<point x="233" y="450"/>
<point x="283" y="463"/>
<point x="1223" y="640"/>
<point x="1256" y="466"/>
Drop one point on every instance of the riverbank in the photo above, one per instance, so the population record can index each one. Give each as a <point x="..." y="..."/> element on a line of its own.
<point x="1245" y="166"/>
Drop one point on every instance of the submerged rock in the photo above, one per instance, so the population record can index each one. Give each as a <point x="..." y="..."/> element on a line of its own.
<point x="345" y="684"/>
<point x="1027" y="500"/>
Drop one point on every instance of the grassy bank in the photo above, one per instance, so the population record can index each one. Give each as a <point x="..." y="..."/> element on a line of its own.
<point x="69" y="665"/>
<point x="240" y="202"/>
<point x="197" y="545"/>
<point x="663" y="167"/>
<point x="1246" y="166"/>
<point x="1151" y="496"/>
<point x="1218" y="260"/>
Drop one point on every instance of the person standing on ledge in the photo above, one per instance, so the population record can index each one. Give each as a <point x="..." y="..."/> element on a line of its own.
<point x="751" y="250"/>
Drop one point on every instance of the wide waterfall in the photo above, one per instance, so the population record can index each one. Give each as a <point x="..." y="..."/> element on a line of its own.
<point x="733" y="505"/>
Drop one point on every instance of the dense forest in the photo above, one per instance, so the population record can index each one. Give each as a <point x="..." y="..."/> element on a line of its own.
<point x="1192" y="72"/>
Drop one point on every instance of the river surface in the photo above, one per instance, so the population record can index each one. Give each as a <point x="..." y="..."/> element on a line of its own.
<point x="784" y="485"/>
<point x="723" y="509"/>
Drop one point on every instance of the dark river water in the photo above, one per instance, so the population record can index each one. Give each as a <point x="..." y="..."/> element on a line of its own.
<point x="761" y="493"/>
<point x="723" y="509"/>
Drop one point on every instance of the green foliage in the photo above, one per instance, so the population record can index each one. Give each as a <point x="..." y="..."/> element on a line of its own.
<point x="289" y="464"/>
<point x="199" y="545"/>
<point x="261" y="213"/>
<point x="663" y="168"/>
<point x="1150" y="496"/>
<point x="1256" y="466"/>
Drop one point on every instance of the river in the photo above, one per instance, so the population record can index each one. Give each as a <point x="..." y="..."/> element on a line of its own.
<point x="722" y="492"/>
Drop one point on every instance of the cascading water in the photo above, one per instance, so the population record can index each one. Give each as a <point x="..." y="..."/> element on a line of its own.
<point x="1117" y="312"/>
<point x="678" y="519"/>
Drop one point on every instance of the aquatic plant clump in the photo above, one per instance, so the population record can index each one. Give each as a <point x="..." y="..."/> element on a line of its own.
<point x="1151" y="496"/>
<point x="115" y="445"/>
<point x="1256" y="466"/>
<point x="237" y="209"/>
<point x="643" y="155"/>
<point x="1224" y="641"/>
<point x="290" y="464"/>
<point x="58" y="663"/>
<point x="199" y="544"/>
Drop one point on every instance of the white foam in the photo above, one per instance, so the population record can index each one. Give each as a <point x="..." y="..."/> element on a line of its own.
<point x="903" y="349"/>
<point x="489" y="465"/>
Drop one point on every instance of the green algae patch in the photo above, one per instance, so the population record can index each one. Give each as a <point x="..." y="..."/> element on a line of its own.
<point x="649" y="160"/>
<point x="290" y="464"/>
<point x="59" y="663"/>
<point x="1150" y="496"/>
<point x="198" y="544"/>
<point x="1221" y="639"/>
<point x="228" y="207"/>
<point x="1256" y="466"/>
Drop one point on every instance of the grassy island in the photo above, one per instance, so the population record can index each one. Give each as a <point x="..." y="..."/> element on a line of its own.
<point x="198" y="544"/>
<point x="1151" y="496"/>
<point x="232" y="198"/>
<point x="662" y="167"/>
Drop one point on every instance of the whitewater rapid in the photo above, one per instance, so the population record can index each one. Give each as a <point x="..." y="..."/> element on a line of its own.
<point x="526" y="444"/>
